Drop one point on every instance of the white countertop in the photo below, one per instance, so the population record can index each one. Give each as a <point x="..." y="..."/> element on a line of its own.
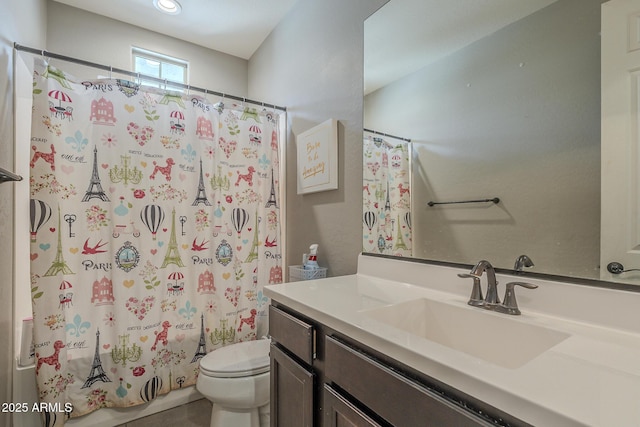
<point x="591" y="378"/>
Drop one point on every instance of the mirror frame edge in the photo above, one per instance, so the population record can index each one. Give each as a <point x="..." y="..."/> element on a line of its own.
<point x="627" y="287"/>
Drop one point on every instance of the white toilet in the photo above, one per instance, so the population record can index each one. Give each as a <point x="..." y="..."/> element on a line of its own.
<point x="236" y="379"/>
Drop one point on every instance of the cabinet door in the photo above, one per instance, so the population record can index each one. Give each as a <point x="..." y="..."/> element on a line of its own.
<point x="291" y="392"/>
<point x="339" y="412"/>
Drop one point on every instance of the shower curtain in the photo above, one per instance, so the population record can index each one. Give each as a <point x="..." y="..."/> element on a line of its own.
<point x="386" y="197"/>
<point x="154" y="227"/>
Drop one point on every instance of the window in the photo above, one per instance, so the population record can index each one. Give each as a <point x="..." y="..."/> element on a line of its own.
<point x="163" y="67"/>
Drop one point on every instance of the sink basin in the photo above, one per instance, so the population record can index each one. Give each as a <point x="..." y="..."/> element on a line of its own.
<point x="489" y="336"/>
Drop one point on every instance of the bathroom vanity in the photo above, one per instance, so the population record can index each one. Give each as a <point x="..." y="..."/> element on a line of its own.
<point x="324" y="378"/>
<point x="397" y="344"/>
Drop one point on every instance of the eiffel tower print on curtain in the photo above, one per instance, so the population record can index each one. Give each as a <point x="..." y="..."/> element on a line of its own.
<point x="202" y="195"/>
<point x="387" y="204"/>
<point x="95" y="187"/>
<point x="173" y="255"/>
<point x="97" y="373"/>
<point x="59" y="265"/>
<point x="273" y="200"/>
<point x="202" y="345"/>
<point x="400" y="244"/>
<point x="253" y="254"/>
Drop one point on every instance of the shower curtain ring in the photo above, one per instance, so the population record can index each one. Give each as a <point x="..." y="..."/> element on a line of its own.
<point x="110" y="71"/>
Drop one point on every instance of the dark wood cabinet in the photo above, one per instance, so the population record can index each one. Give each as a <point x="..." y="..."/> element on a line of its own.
<point x="291" y="392"/>
<point x="395" y="398"/>
<point x="320" y="377"/>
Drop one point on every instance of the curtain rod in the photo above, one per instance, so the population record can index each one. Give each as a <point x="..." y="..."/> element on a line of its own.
<point x="48" y="54"/>
<point x="387" y="135"/>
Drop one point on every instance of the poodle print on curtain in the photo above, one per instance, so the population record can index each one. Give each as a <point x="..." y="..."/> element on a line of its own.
<point x="155" y="226"/>
<point x="386" y="197"/>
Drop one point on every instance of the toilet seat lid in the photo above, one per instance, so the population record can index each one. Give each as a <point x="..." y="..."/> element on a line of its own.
<point x="242" y="359"/>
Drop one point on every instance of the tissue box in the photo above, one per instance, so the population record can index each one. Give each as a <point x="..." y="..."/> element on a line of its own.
<point x="297" y="272"/>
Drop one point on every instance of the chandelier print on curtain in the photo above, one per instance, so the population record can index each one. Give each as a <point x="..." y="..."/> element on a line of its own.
<point x="386" y="221"/>
<point x="155" y="226"/>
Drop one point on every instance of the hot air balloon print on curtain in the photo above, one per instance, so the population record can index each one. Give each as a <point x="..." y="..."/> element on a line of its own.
<point x="239" y="218"/>
<point x="151" y="389"/>
<point x="369" y="219"/>
<point x="40" y="212"/>
<point x="152" y="216"/>
<point x="407" y="219"/>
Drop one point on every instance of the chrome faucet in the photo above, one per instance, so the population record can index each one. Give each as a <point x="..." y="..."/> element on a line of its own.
<point x="491" y="301"/>
<point x="521" y="262"/>
<point x="492" y="284"/>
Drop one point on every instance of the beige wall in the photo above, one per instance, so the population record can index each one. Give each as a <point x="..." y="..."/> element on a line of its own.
<point x="312" y="63"/>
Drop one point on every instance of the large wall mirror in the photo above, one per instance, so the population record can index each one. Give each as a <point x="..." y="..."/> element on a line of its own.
<point x="500" y="99"/>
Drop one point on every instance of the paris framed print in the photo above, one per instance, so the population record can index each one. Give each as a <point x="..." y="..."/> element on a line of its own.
<point x="318" y="158"/>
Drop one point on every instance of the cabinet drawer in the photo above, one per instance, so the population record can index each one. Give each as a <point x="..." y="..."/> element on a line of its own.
<point x="339" y="412"/>
<point x="393" y="397"/>
<point x="292" y="333"/>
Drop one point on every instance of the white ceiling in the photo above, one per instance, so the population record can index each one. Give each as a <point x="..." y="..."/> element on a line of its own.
<point x="236" y="27"/>
<point x="412" y="32"/>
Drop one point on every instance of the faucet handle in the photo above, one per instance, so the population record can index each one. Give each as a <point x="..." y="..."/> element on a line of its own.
<point x="510" y="305"/>
<point x="521" y="262"/>
<point x="476" y="298"/>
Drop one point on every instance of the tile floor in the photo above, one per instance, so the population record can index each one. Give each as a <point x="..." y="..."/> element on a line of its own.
<point x="194" y="414"/>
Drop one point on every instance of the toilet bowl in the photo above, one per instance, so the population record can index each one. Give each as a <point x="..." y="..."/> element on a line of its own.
<point x="235" y="379"/>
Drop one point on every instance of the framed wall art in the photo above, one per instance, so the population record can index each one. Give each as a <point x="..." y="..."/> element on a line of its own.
<point x="318" y="158"/>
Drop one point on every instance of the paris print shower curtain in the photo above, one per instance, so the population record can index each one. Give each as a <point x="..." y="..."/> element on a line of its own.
<point x="386" y="197"/>
<point x="154" y="227"/>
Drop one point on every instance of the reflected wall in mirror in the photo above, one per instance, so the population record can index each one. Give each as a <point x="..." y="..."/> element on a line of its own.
<point x="507" y="107"/>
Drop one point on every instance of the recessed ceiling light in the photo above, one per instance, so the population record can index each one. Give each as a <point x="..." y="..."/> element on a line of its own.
<point x="171" y="7"/>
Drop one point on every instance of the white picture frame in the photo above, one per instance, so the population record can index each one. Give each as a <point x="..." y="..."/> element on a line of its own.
<point x="318" y="158"/>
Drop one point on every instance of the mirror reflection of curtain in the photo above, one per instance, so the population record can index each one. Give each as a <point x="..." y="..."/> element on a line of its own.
<point x="386" y="197"/>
